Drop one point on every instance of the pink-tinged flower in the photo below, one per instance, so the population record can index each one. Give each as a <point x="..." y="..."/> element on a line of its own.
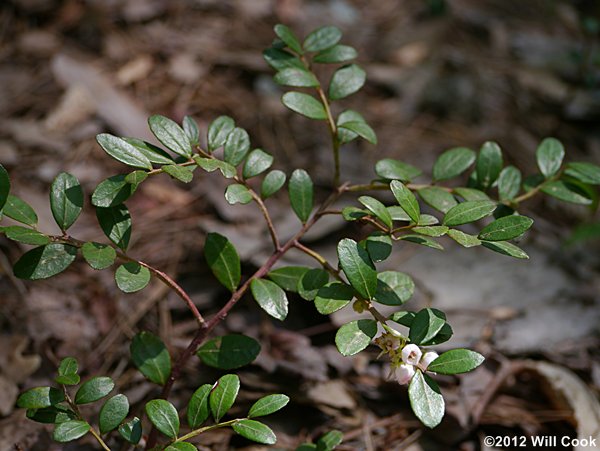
<point x="404" y="373"/>
<point x="411" y="354"/>
<point x="427" y="358"/>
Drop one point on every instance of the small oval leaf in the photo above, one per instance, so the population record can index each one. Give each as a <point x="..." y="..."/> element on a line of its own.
<point x="150" y="355"/>
<point x="163" y="415"/>
<point x="223" y="260"/>
<point x="94" y="389"/>
<point x="229" y="352"/>
<point x="223" y="395"/>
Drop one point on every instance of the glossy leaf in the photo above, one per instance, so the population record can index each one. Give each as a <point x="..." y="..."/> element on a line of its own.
<point x="509" y="183"/>
<point x="427" y="323"/>
<point x="212" y="164"/>
<point x="300" y="189"/>
<point x="378" y="245"/>
<point x="467" y="212"/>
<point x="489" y="164"/>
<point x="70" y="430"/>
<point x="394" y="288"/>
<point x="427" y="220"/>
<point x="330" y="440"/>
<point x="255" y="431"/>
<point x="426" y="400"/>
<point x="229" y="352"/>
<point x="270" y="297"/>
<point x="66" y="200"/>
<point x="346" y="135"/>
<point x="505" y="228"/>
<point x="163" y="415"/>
<point x="322" y="38"/>
<point x="223" y="395"/>
<point x="406" y="199"/>
<point x="98" y="256"/>
<point x="182" y="173"/>
<point x="268" y="405"/>
<point x="358" y="267"/>
<point x="584" y="172"/>
<point x="452" y="163"/>
<point x="131" y="277"/>
<point x="398" y="214"/>
<point x="198" y="410"/>
<point x="288" y="277"/>
<point x="153" y="153"/>
<point x="567" y="192"/>
<point x="116" y="224"/>
<point x="272" y="183"/>
<point x="45" y="261"/>
<point x="437" y="198"/>
<point x="136" y="177"/>
<point x="170" y="134"/>
<point x="346" y="81"/>
<point x="298" y="78"/>
<point x="464" y="239"/>
<point x="422" y="240"/>
<point x="403" y="317"/>
<point x="258" y="162"/>
<point x="113" y="191"/>
<point x="4" y="186"/>
<point x="390" y="169"/>
<point x="362" y="129"/>
<point x="113" y="412"/>
<point x="218" y="132"/>
<point x="434" y="231"/>
<point x="354" y="213"/>
<point x="40" y="397"/>
<point x="288" y="37"/>
<point x="122" y="151"/>
<point x="181" y="446"/>
<point x="19" y="210"/>
<point x="238" y="194"/>
<point x="456" y="361"/>
<point x="332" y="297"/>
<point x="377" y="209"/>
<point x="236" y="147"/>
<point x="505" y="248"/>
<point x="51" y="415"/>
<point x="150" y="355"/>
<point x="25" y="235"/>
<point x="549" y="155"/>
<point x="336" y="54"/>
<point x="281" y="59"/>
<point x="67" y="372"/>
<point x="223" y="260"/>
<point x="470" y="194"/>
<point x="131" y="430"/>
<point x="190" y="127"/>
<point x="310" y="283"/>
<point x="442" y="336"/>
<point x="304" y="104"/>
<point x="94" y="389"/>
<point x="355" y="336"/>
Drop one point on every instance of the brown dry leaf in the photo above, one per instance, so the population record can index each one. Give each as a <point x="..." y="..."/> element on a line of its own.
<point x="332" y="393"/>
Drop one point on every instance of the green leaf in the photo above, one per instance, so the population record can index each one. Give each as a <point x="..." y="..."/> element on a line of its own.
<point x="67" y="372"/>
<point x="398" y="214"/>
<point x="404" y="318"/>
<point x="464" y="239"/>
<point x="354" y="213"/>
<point x="280" y="59"/>
<point x="406" y="199"/>
<point x="40" y="397"/>
<point x="198" y="410"/>
<point x="452" y="163"/>
<point x="113" y="412"/>
<point x="362" y="129"/>
<point x="456" y="361"/>
<point x="427" y="323"/>
<point x="70" y="430"/>
<point x="19" y="210"/>
<point x="255" y="431"/>
<point x="470" y="194"/>
<point x="322" y="38"/>
<point x="163" y="415"/>
<point x="377" y="208"/>
<point x="258" y="162"/>
<point x="346" y="81"/>
<point x="131" y="277"/>
<point x="153" y="153"/>
<point x="565" y="191"/>
<point x="301" y="194"/>
<point x="238" y="194"/>
<point x="336" y="54"/>
<point x="223" y="395"/>
<point x="113" y="191"/>
<point x="426" y="400"/>
<point x="509" y="183"/>
<point x="150" y="355"/>
<point x="94" y="389"/>
<point x="310" y="283"/>
<point x="427" y="220"/>
<point x="223" y="260"/>
<point x="378" y="245"/>
<point x="437" y="198"/>
<point x="190" y="127"/>
<point x="423" y="241"/>
<point x="4" y="186"/>
<point x="355" y="336"/>
<point x="288" y="277"/>
<point x="347" y="135"/>
<point x="51" y="415"/>
<point x="549" y="155"/>
<point x="270" y="297"/>
<point x="25" y="235"/>
<point x="505" y="228"/>
<point x="218" y="131"/>
<point x="304" y="104"/>
<point x="66" y="200"/>
<point x="115" y="222"/>
<point x="272" y="183"/>
<point x="98" y="256"/>
<point x="132" y="430"/>
<point x="268" y="405"/>
<point x="45" y="261"/>
<point x="229" y="352"/>
<point x="212" y="164"/>
<point x="330" y="440"/>
<point x="396" y="170"/>
<point x="584" y="172"/>
<point x="236" y="147"/>
<point x="394" y="288"/>
<point x="469" y="212"/>
<point x="288" y="37"/>
<point x="299" y="78"/>
<point x="489" y="164"/>
<point x="182" y="173"/>
<point x="442" y="336"/>
<point x="435" y="231"/>
<point x="122" y="151"/>
<point x="170" y="134"/>
<point x="332" y="297"/>
<point x="358" y="267"/>
<point x="181" y="446"/>
<point x="136" y="177"/>
<point x="505" y="248"/>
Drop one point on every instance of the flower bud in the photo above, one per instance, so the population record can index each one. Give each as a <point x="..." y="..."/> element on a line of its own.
<point x="411" y="354"/>
<point x="428" y="357"/>
<point x="404" y="373"/>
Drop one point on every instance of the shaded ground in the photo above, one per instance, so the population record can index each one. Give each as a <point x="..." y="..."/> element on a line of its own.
<point x="440" y="74"/>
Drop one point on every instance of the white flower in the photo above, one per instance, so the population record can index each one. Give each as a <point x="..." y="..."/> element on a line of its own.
<point x="404" y="373"/>
<point x="428" y="357"/>
<point x="411" y="354"/>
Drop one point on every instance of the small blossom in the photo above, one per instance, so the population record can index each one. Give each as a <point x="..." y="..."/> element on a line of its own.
<point x="411" y="354"/>
<point x="427" y="358"/>
<point x="404" y="373"/>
